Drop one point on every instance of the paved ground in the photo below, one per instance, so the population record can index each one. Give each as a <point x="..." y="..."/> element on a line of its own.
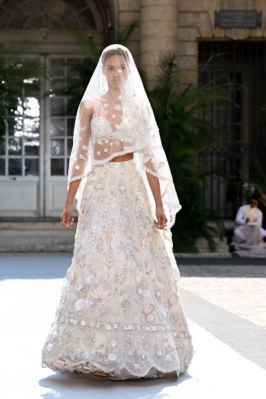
<point x="229" y="359"/>
<point x="240" y="290"/>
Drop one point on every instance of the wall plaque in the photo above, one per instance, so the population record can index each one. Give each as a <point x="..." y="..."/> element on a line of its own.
<point x="247" y="19"/>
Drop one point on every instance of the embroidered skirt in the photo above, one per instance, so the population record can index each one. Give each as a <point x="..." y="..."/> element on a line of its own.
<point x="120" y="311"/>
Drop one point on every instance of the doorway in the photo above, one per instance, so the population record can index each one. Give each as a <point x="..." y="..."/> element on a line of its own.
<point x="238" y="70"/>
<point x="35" y="149"/>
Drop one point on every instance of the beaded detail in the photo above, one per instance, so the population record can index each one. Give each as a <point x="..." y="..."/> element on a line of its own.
<point x="120" y="310"/>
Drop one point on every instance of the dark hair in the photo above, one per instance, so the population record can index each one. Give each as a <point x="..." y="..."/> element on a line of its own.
<point x="254" y="197"/>
<point x="109" y="53"/>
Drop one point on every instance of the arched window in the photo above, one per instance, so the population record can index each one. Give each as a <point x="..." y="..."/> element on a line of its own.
<point x="49" y="14"/>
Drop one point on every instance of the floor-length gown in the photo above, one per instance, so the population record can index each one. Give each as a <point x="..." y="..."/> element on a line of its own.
<point x="120" y="311"/>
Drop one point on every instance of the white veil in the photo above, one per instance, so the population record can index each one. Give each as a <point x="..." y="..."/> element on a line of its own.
<point x="122" y="111"/>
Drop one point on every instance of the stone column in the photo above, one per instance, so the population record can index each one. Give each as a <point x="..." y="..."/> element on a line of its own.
<point x="158" y="33"/>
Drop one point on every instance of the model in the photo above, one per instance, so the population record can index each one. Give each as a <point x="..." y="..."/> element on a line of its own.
<point x="120" y="314"/>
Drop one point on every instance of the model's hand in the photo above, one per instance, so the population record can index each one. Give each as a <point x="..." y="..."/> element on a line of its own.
<point x="161" y="218"/>
<point x="66" y="217"/>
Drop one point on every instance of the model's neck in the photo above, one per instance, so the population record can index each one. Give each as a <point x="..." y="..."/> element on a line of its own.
<point x="113" y="94"/>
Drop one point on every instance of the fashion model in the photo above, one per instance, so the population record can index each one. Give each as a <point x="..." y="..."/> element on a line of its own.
<point x="120" y="314"/>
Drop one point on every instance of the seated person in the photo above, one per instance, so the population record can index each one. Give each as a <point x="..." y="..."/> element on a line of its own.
<point x="249" y="232"/>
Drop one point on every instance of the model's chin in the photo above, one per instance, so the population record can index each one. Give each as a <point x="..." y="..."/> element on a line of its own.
<point x="116" y="85"/>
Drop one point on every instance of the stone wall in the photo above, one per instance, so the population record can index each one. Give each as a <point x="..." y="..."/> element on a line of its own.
<point x="196" y="22"/>
<point x="178" y="25"/>
<point x="157" y="31"/>
<point x="129" y="11"/>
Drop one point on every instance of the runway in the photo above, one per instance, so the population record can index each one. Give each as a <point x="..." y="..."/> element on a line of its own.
<point x="29" y="293"/>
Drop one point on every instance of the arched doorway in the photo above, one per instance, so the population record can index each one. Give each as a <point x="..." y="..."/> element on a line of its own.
<point x="35" y="148"/>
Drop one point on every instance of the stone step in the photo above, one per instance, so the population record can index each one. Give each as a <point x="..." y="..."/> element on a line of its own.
<point x="36" y="237"/>
<point x="41" y="236"/>
<point x="221" y="245"/>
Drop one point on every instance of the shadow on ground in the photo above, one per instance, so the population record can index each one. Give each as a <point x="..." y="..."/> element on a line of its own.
<point x="66" y="385"/>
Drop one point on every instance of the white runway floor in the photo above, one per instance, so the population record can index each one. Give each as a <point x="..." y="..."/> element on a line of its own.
<point x="27" y="307"/>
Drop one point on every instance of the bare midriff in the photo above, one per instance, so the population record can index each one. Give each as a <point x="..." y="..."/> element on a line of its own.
<point x="123" y="158"/>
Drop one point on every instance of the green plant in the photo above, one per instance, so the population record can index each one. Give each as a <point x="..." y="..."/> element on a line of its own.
<point x="184" y="135"/>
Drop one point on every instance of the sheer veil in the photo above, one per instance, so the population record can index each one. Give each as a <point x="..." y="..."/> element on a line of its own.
<point x="115" y="118"/>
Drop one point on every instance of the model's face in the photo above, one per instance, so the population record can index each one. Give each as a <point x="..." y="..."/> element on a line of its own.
<point x="116" y="71"/>
<point x="254" y="203"/>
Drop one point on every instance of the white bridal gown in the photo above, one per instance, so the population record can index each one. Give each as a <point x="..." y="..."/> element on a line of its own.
<point x="120" y="311"/>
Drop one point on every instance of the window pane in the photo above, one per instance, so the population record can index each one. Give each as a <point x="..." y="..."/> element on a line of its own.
<point x="15" y="146"/>
<point x="2" y="128"/>
<point x="31" y="127"/>
<point x="57" y="167"/>
<point x="73" y="67"/>
<point x="69" y="20"/>
<point x="18" y="20"/>
<point x="52" y="24"/>
<point x="32" y="92"/>
<point x="15" y="167"/>
<point x="57" y="147"/>
<point x="69" y="146"/>
<point x="31" y="147"/>
<point x="4" y="18"/>
<point x="10" y="4"/>
<point x="78" y="4"/>
<point x="35" y="23"/>
<point x="57" y="127"/>
<point x="2" y="166"/>
<point x="2" y="146"/>
<point x="71" y="107"/>
<point x="57" y="106"/>
<point x="58" y="85"/>
<point x="70" y="127"/>
<point x="15" y="62"/>
<point x="32" y="7"/>
<point x="15" y="127"/>
<point x="31" y="167"/>
<point x="57" y="67"/>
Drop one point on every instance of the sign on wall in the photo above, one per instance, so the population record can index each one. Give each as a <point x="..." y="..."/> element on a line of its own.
<point x="241" y="19"/>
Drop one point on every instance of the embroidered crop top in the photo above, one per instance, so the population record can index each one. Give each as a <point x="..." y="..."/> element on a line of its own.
<point x="107" y="143"/>
<point x="101" y="139"/>
<point x="102" y="134"/>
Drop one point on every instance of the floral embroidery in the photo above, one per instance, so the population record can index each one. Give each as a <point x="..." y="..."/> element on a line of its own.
<point x="119" y="302"/>
<point x="101" y="294"/>
<point x="117" y="107"/>
<point x="80" y="304"/>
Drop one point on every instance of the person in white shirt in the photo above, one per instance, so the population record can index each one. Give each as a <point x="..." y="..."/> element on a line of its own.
<point x="249" y="231"/>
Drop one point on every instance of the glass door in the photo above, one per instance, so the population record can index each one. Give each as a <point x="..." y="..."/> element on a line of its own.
<point x="37" y="139"/>
<point x="66" y="91"/>
<point x="20" y="155"/>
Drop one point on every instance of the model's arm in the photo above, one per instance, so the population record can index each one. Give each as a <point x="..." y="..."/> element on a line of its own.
<point x="66" y="217"/>
<point x="155" y="188"/>
<point x="85" y="118"/>
<point x="239" y="216"/>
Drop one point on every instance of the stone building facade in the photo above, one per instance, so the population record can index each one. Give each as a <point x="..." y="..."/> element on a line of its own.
<point x="178" y="26"/>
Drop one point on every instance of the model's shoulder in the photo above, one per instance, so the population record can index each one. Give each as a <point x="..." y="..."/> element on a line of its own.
<point x="132" y="100"/>
<point x="89" y="102"/>
<point x="138" y="104"/>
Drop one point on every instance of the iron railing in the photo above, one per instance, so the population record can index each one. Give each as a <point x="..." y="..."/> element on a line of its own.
<point x="237" y="69"/>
